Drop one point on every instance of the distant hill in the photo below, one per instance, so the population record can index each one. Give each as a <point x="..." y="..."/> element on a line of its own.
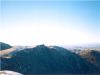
<point x="48" y="60"/>
<point x="92" y="56"/>
<point x="4" y="46"/>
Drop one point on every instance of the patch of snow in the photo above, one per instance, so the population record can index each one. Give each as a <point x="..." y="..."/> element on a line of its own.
<point x="6" y="72"/>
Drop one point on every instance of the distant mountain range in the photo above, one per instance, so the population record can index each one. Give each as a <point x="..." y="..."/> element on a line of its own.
<point x="52" y="60"/>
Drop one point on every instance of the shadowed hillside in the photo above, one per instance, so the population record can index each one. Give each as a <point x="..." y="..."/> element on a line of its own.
<point x="4" y="46"/>
<point x="48" y="60"/>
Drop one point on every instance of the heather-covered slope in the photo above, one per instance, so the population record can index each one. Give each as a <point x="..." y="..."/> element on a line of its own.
<point x="92" y="56"/>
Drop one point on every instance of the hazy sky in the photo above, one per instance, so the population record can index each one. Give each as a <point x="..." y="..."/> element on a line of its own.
<point x="50" y="22"/>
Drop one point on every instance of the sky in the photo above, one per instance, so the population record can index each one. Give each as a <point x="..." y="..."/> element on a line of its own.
<point x="49" y="22"/>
